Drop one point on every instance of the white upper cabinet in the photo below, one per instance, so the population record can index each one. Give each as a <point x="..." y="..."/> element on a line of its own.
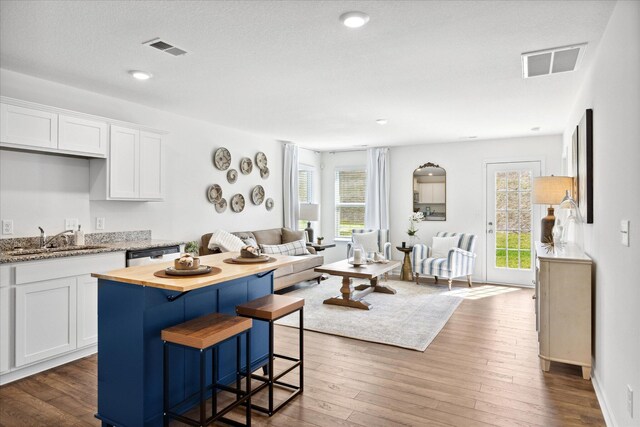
<point x="124" y="169"/>
<point x="438" y="192"/>
<point x="134" y="170"/>
<point x="83" y="135"/>
<point x="27" y="126"/>
<point x="151" y="183"/>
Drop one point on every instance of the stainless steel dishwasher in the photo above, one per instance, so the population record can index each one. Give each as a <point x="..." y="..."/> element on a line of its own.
<point x="152" y="255"/>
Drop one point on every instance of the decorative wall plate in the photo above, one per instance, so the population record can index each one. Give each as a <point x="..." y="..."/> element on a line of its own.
<point x="261" y="160"/>
<point x="237" y="203"/>
<point x="221" y="206"/>
<point x="222" y="159"/>
<point x="214" y="193"/>
<point x="257" y="195"/>
<point x="232" y="176"/>
<point x="246" y="165"/>
<point x="269" y="204"/>
<point x="264" y="172"/>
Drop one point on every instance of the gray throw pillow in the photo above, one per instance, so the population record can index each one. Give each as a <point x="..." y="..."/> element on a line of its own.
<point x="289" y="235"/>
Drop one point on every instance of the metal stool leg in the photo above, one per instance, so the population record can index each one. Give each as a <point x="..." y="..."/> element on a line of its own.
<point x="248" y="379"/>
<point x="165" y="384"/>
<point x="203" y="385"/>
<point x="301" y="333"/>
<point x="214" y="375"/>
<point x="271" y="367"/>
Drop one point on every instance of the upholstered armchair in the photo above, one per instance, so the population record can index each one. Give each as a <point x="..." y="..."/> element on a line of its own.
<point x="459" y="261"/>
<point x="382" y="239"/>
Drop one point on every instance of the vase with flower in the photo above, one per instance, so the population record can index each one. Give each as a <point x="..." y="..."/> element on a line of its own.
<point x="414" y="219"/>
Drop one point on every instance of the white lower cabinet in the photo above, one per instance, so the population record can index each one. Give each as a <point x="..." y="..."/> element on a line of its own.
<point x="45" y="319"/>
<point x="87" y="317"/>
<point x="5" y="328"/>
<point x="49" y="312"/>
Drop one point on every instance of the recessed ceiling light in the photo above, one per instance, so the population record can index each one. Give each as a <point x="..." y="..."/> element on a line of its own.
<point x="354" y="19"/>
<point x="140" y="75"/>
<point x="536" y="129"/>
<point x="382" y="121"/>
<point x="430" y="174"/>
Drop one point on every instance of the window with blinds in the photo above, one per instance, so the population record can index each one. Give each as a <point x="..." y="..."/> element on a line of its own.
<point x="350" y="187"/>
<point x="305" y="190"/>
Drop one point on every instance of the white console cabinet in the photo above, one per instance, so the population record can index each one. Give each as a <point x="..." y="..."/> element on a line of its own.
<point x="49" y="312"/>
<point x="563" y="307"/>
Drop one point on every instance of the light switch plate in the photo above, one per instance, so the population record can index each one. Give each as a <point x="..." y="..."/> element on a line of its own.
<point x="7" y="226"/>
<point x="71" y="224"/>
<point x="624" y="232"/>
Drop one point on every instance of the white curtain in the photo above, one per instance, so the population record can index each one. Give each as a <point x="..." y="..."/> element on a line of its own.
<point x="376" y="211"/>
<point x="290" y="190"/>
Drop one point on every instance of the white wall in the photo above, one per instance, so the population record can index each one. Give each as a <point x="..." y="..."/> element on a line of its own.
<point x="185" y="214"/>
<point x="43" y="190"/>
<point x="612" y="90"/>
<point x="464" y="163"/>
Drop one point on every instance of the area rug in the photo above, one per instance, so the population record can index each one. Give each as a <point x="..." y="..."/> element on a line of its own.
<point x="411" y="318"/>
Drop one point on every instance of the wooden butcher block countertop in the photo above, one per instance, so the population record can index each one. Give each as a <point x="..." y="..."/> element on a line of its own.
<point x="143" y="275"/>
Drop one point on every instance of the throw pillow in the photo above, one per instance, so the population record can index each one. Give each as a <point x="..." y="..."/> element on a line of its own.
<point x="442" y="246"/>
<point x="226" y="241"/>
<point x="368" y="240"/>
<point x="289" y="235"/>
<point x="299" y="247"/>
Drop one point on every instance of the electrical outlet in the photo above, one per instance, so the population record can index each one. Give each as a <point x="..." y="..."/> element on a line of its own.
<point x="630" y="400"/>
<point x="7" y="226"/>
<point x="99" y="223"/>
<point x="71" y="224"/>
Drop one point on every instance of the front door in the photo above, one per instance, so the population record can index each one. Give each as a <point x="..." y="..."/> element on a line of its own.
<point x="510" y="222"/>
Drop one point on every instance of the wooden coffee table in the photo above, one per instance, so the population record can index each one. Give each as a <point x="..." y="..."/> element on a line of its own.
<point x="348" y="272"/>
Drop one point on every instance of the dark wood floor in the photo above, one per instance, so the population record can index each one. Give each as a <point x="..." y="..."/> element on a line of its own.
<point x="481" y="370"/>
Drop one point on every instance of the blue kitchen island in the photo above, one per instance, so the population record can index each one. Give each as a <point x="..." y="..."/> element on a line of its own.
<point x="134" y="306"/>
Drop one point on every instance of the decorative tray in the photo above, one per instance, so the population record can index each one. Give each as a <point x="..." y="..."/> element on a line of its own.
<point x="257" y="260"/>
<point x="173" y="272"/>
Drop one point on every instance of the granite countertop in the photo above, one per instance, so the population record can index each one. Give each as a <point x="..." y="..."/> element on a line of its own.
<point x="96" y="243"/>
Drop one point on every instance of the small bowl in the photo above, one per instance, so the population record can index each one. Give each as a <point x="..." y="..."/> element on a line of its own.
<point x="246" y="254"/>
<point x="180" y="266"/>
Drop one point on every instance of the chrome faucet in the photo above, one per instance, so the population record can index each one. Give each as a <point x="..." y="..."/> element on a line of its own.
<point x="43" y="237"/>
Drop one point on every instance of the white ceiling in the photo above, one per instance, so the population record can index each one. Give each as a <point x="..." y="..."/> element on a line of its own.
<point x="438" y="70"/>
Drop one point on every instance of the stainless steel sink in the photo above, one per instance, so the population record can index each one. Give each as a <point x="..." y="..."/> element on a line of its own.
<point x="24" y="252"/>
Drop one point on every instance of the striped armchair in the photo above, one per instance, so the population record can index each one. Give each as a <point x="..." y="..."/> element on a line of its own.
<point x="458" y="263"/>
<point x="384" y="246"/>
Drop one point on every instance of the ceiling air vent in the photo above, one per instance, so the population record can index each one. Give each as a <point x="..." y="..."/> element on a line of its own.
<point x="165" y="47"/>
<point x="552" y="61"/>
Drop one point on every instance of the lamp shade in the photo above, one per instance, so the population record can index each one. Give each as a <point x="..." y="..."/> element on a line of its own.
<point x="311" y="211"/>
<point x="550" y="190"/>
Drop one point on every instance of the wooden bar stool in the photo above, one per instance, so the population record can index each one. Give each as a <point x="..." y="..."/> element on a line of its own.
<point x="204" y="333"/>
<point x="271" y="308"/>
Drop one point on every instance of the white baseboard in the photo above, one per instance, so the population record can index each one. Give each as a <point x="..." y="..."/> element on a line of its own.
<point x="19" y="373"/>
<point x="604" y="407"/>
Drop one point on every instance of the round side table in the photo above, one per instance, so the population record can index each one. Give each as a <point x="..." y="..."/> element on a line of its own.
<point x="405" y="272"/>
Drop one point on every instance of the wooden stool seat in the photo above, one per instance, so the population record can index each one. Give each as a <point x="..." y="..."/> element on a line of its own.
<point x="206" y="331"/>
<point x="270" y="307"/>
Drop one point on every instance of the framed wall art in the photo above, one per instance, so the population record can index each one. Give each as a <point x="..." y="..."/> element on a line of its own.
<point x="585" y="166"/>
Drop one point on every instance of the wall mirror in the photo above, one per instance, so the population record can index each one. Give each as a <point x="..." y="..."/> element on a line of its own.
<point x="430" y="192"/>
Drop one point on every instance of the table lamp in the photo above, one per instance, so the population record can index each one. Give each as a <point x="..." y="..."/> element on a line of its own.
<point x="550" y="190"/>
<point x="309" y="212"/>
